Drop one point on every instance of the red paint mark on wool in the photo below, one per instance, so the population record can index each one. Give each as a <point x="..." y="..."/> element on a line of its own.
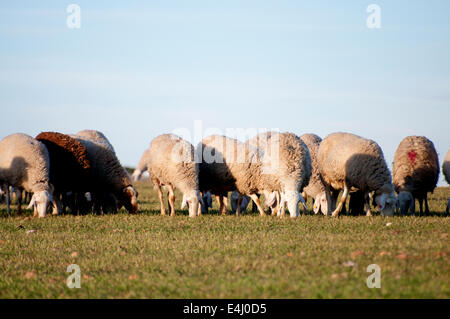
<point x="412" y="157"/>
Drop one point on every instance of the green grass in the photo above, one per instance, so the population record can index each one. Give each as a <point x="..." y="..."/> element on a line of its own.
<point x="153" y="256"/>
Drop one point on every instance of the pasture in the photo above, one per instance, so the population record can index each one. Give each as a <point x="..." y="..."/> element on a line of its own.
<point x="152" y="256"/>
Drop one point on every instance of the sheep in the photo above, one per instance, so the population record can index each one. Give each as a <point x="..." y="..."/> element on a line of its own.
<point x="172" y="163"/>
<point x="446" y="167"/>
<point x="25" y="164"/>
<point x="110" y="182"/>
<point x="349" y="161"/>
<point x="229" y="165"/>
<point x="416" y="170"/>
<point x="69" y="167"/>
<point x="446" y="170"/>
<point x="142" y="166"/>
<point x="315" y="188"/>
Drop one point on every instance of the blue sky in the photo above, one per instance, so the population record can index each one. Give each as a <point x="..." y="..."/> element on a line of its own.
<point x="137" y="69"/>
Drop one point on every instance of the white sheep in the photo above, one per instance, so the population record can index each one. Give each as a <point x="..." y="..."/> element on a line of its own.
<point x="171" y="163"/>
<point x="25" y="164"/>
<point x="416" y="171"/>
<point x="229" y="165"/>
<point x="349" y="161"/>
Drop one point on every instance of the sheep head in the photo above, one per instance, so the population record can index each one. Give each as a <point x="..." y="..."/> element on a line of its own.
<point x="40" y="202"/>
<point x="386" y="200"/>
<point x="321" y="204"/>
<point x="193" y="200"/>
<point x="128" y="198"/>
<point x="292" y="198"/>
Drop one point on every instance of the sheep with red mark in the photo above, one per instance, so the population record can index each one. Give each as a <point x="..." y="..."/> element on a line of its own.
<point x="416" y="171"/>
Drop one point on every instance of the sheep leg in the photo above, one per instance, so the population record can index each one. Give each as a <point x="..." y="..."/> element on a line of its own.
<point x="254" y="208"/>
<point x="329" y="199"/>
<point x="342" y="201"/>
<point x="222" y="204"/>
<point x="239" y="203"/>
<point x="276" y="209"/>
<point x="255" y="199"/>
<point x="427" y="209"/>
<point x="420" y="205"/>
<point x="367" y="200"/>
<point x="172" y="201"/>
<point x="56" y="206"/>
<point x="19" y="200"/>
<point x="160" y="196"/>
<point x="8" y="202"/>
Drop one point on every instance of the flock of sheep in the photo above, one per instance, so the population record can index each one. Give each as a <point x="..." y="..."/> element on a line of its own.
<point x="81" y="173"/>
<point x="287" y="169"/>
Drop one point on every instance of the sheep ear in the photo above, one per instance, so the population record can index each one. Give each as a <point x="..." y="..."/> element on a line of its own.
<point x="317" y="204"/>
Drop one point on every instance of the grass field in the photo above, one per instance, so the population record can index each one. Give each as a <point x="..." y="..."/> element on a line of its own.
<point x="153" y="256"/>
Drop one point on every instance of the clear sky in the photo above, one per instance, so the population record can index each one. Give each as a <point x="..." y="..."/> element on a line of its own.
<point x="137" y="69"/>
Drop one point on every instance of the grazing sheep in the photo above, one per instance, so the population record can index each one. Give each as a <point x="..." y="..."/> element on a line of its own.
<point x="69" y="168"/>
<point x="25" y="164"/>
<point x="446" y="170"/>
<point x="349" y="161"/>
<point x="416" y="170"/>
<point x="142" y="166"/>
<point x="171" y="163"/>
<point x="229" y="165"/>
<point x="110" y="182"/>
<point x="315" y="188"/>
<point x="446" y="167"/>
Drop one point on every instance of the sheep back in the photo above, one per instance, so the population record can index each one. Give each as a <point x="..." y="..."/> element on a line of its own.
<point x="69" y="163"/>
<point x="359" y="162"/>
<point x="97" y="137"/>
<point x="416" y="165"/>
<point x="24" y="162"/>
